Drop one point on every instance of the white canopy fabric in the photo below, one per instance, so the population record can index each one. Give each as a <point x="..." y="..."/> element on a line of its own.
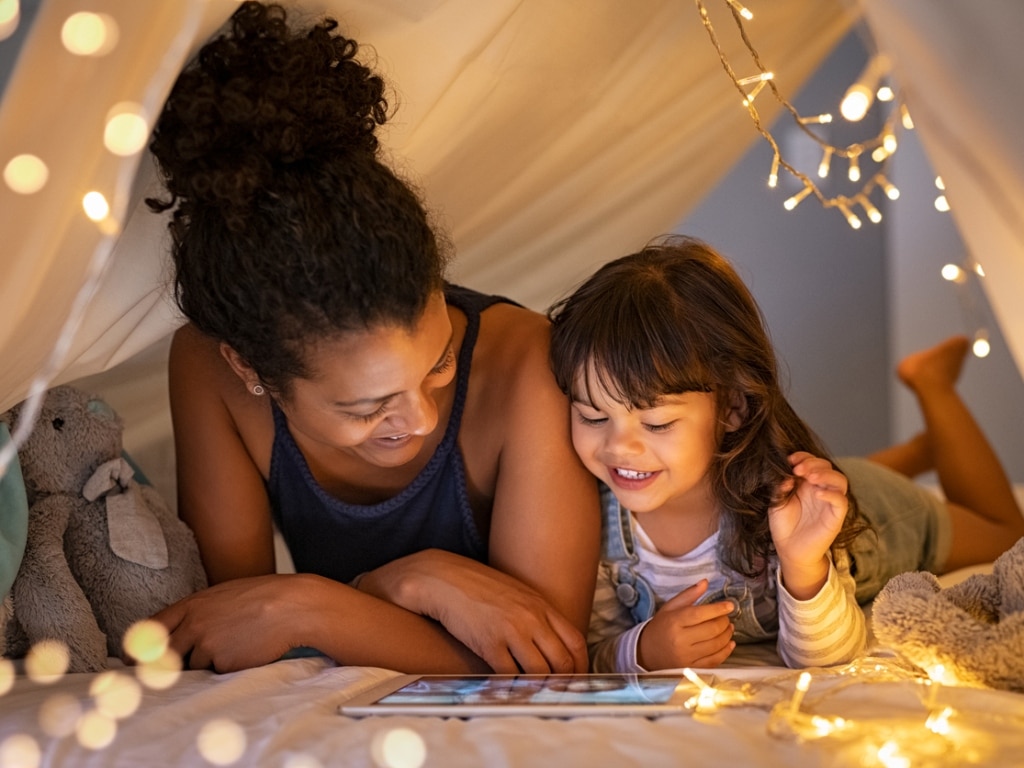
<point x="547" y="137"/>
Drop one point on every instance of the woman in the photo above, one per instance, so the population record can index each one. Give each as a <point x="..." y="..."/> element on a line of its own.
<point x="405" y="435"/>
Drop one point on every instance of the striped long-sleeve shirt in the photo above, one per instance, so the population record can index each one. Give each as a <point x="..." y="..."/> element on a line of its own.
<point x="827" y="629"/>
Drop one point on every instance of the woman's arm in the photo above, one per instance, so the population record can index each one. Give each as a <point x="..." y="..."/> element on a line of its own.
<point x="251" y="616"/>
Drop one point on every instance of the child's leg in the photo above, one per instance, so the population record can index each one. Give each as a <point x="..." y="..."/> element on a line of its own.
<point x="985" y="516"/>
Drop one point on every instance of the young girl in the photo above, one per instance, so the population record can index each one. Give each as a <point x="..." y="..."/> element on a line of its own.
<point x="725" y="521"/>
<point x="401" y="432"/>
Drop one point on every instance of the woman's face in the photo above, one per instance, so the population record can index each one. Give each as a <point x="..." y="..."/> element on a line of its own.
<point x="373" y="394"/>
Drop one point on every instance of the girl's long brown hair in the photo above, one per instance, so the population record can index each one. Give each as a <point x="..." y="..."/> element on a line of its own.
<point x="674" y="318"/>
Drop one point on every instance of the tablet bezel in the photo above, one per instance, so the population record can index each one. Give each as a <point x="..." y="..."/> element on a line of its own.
<point x="368" y="703"/>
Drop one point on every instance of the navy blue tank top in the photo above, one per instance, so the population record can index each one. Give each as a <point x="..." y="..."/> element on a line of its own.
<point x="331" y="538"/>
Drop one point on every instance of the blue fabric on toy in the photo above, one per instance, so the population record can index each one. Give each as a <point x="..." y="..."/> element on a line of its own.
<point x="13" y="518"/>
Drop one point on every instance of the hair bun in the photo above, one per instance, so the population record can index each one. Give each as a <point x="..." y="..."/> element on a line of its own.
<point x="263" y="99"/>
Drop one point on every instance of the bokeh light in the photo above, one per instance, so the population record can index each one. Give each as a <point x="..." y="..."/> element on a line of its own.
<point x="10" y="13"/>
<point x="8" y="675"/>
<point x="89" y="34"/>
<point x="26" y="174"/>
<point x="95" y="205"/>
<point x="47" y="661"/>
<point x="20" y="751"/>
<point x="95" y="730"/>
<point x="117" y="695"/>
<point x="398" y="748"/>
<point x="160" y="674"/>
<point x="302" y="761"/>
<point x="127" y="129"/>
<point x="59" y="715"/>
<point x="146" y="641"/>
<point x="221" y="741"/>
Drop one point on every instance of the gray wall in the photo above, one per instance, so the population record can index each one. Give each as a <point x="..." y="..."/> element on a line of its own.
<point x="844" y="306"/>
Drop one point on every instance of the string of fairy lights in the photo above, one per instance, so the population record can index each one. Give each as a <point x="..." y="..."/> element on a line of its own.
<point x="866" y="161"/>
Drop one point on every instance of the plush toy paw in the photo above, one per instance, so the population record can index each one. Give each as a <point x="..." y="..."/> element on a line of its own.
<point x="974" y="629"/>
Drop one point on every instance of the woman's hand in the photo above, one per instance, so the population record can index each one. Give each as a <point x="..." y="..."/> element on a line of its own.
<point x="236" y="624"/>
<point x="500" y="619"/>
<point x="804" y="527"/>
<point x="682" y="634"/>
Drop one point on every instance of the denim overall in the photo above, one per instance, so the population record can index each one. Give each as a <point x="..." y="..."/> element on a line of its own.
<point x="755" y="616"/>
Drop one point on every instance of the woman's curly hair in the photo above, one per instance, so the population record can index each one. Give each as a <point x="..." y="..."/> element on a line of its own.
<point x="676" y="318"/>
<point x="287" y="227"/>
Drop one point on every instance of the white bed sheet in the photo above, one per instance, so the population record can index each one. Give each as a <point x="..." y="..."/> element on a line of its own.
<point x="288" y="713"/>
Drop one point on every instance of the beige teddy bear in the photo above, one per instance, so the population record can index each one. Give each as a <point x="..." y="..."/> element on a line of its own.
<point x="975" y="628"/>
<point x="103" y="550"/>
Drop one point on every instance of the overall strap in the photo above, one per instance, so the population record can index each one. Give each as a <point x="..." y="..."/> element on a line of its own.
<point x="618" y="549"/>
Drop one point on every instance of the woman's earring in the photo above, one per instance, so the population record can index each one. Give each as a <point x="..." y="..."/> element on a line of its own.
<point x="258" y="390"/>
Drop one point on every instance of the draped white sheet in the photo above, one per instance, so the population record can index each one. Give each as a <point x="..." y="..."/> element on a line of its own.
<point x="547" y="137"/>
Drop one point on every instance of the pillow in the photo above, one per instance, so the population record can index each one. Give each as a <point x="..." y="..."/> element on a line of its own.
<point x="13" y="518"/>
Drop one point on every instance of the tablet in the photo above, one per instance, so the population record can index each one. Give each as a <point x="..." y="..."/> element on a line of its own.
<point x="568" y="695"/>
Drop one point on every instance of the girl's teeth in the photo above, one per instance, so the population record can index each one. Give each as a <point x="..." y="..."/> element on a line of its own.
<point x="631" y="474"/>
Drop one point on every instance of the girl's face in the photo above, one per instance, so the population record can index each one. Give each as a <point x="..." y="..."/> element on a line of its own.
<point x="653" y="459"/>
<point x="374" y="393"/>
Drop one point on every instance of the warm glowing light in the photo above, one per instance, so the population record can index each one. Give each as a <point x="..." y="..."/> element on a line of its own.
<point x="221" y="741"/>
<point x="851" y="218"/>
<point x="940" y="184"/>
<point x="47" y="661"/>
<point x="8" y="675"/>
<point x="794" y="201"/>
<point x="954" y="274"/>
<point x="879" y="153"/>
<point x="95" y="205"/>
<point x="89" y="34"/>
<point x="872" y="212"/>
<point x="757" y="89"/>
<point x="59" y="715"/>
<point x="95" y="730"/>
<point x="117" y="695"/>
<point x="856" y="102"/>
<point x="981" y="347"/>
<point x="127" y="130"/>
<point x="889" y="142"/>
<point x="979" y="271"/>
<point x="773" y="175"/>
<point x="802" y="684"/>
<point x="398" y="748"/>
<point x="741" y="10"/>
<point x="161" y="673"/>
<point x="10" y="13"/>
<point x="26" y="174"/>
<point x="890" y="190"/>
<point x="20" y="750"/>
<point x="885" y="93"/>
<point x="939" y="723"/>
<point x="146" y="640"/>
<point x="905" y="118"/>
<point x="854" y="172"/>
<point x="826" y="161"/>
<point x="890" y="757"/>
<point x="817" y="119"/>
<point x="759" y="78"/>
<point x="941" y="204"/>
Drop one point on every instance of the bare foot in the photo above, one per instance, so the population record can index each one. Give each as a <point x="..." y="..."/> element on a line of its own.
<point x="935" y="368"/>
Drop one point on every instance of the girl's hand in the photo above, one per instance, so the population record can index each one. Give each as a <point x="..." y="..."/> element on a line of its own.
<point x="500" y="619"/>
<point x="682" y="634"/>
<point x="804" y="527"/>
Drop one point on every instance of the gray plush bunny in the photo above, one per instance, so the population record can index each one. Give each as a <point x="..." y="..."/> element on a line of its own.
<point x="103" y="550"/>
<point x="975" y="628"/>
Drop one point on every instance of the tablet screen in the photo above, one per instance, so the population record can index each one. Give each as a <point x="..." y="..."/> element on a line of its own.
<point x="547" y="695"/>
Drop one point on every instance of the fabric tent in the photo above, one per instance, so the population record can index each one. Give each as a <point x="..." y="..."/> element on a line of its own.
<point x="546" y="137"/>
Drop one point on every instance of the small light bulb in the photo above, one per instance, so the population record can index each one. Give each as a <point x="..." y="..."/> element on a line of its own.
<point x="885" y="93"/>
<point x="26" y="174"/>
<point x="981" y="347"/>
<point x="954" y="274"/>
<point x="939" y="183"/>
<point x="741" y="10"/>
<point x="773" y="175"/>
<point x="856" y="102"/>
<point x="979" y="270"/>
<point x="826" y="161"/>
<point x="905" y="118"/>
<point x="95" y="205"/>
<point x="879" y="153"/>
<point x="854" y="172"/>
<point x="889" y="142"/>
<point x="941" y="204"/>
<point x="890" y="190"/>
<point x="126" y="131"/>
<point x="794" y="201"/>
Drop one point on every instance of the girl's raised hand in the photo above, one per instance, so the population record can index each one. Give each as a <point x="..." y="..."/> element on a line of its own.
<point x="804" y="527"/>
<point x="682" y="634"/>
